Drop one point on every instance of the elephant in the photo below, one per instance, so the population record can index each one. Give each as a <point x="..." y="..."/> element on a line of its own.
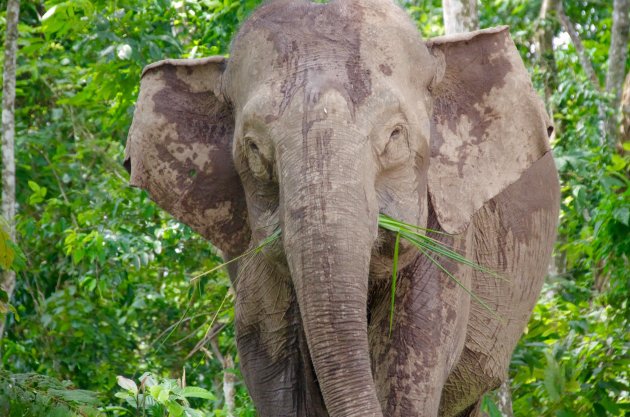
<point x="324" y="116"/>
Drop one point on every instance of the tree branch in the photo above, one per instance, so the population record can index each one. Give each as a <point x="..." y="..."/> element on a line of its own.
<point x="617" y="55"/>
<point x="588" y="68"/>
<point x="60" y="185"/>
<point x="504" y="395"/>
<point x="618" y="51"/>
<point x="585" y="61"/>
<point x="229" y="379"/>
<point x="544" y="41"/>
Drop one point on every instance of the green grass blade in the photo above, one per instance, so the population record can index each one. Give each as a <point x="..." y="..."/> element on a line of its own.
<point x="211" y="325"/>
<point x="180" y="321"/>
<point x="407" y="231"/>
<point x="458" y="282"/>
<point x="394" y="279"/>
<point x="384" y="219"/>
<point x="269" y="239"/>
<point x="442" y="250"/>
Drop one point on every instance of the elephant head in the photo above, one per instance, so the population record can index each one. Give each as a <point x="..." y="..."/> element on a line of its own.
<point x="324" y="116"/>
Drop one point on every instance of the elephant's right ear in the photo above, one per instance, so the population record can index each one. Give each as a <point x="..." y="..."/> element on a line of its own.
<point x="179" y="149"/>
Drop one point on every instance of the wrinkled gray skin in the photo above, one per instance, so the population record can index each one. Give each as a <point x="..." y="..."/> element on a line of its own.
<point x="324" y="116"/>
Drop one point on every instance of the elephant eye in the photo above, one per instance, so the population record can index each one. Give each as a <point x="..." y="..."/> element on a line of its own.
<point x="397" y="133"/>
<point x="253" y="147"/>
<point x="258" y="158"/>
<point x="396" y="150"/>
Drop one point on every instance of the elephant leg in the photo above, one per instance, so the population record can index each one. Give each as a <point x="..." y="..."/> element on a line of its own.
<point x="411" y="365"/>
<point x="467" y="383"/>
<point x="271" y="343"/>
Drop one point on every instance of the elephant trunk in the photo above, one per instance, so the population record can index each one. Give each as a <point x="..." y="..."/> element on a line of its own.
<point x="329" y="227"/>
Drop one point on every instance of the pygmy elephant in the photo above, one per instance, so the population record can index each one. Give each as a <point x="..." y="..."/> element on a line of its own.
<point x="324" y="117"/>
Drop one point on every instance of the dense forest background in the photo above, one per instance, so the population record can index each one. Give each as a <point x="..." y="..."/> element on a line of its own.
<point x="104" y="297"/>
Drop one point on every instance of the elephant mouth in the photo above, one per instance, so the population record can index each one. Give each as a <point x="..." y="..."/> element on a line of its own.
<point x="274" y="253"/>
<point x="382" y="260"/>
<point x="269" y="243"/>
<point x="382" y="256"/>
<point x="386" y="242"/>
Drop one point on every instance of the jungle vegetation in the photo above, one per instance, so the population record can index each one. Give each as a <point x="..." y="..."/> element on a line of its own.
<point x="106" y="318"/>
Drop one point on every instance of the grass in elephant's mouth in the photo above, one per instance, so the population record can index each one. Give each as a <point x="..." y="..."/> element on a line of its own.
<point x="429" y="247"/>
<point x="417" y="236"/>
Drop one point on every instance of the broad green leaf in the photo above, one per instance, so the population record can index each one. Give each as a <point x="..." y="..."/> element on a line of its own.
<point x="160" y="393"/>
<point x="554" y="380"/>
<point x="34" y="186"/>
<point x="191" y="412"/>
<point x="600" y="411"/>
<point x="77" y="255"/>
<point x="174" y="408"/>
<point x="618" y="163"/>
<point x="197" y="392"/>
<point x="622" y="214"/>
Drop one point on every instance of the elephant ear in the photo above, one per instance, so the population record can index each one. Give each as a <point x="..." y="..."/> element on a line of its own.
<point x="489" y="125"/>
<point x="179" y="149"/>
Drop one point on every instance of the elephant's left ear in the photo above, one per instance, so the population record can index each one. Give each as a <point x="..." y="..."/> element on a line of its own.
<point x="489" y="125"/>
<point x="179" y="149"/>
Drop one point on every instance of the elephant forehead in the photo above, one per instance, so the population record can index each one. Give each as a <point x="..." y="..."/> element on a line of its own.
<point x="347" y="45"/>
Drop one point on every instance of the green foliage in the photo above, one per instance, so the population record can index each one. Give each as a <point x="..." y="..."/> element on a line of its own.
<point x="11" y="256"/>
<point x="33" y="395"/>
<point x="433" y="250"/>
<point x="106" y="273"/>
<point x="162" y="397"/>
<point x="7" y="251"/>
<point x="11" y="259"/>
<point x="573" y="361"/>
<point x="105" y="282"/>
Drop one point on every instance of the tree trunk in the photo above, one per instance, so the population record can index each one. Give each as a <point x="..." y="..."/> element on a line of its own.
<point x="617" y="55"/>
<point x="586" y="64"/>
<point x="585" y="61"/>
<point x="229" y="379"/>
<point x="548" y="26"/>
<point x="504" y="395"/>
<point x="624" y="131"/>
<point x="460" y="16"/>
<point x="546" y="58"/>
<point x="8" y="135"/>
